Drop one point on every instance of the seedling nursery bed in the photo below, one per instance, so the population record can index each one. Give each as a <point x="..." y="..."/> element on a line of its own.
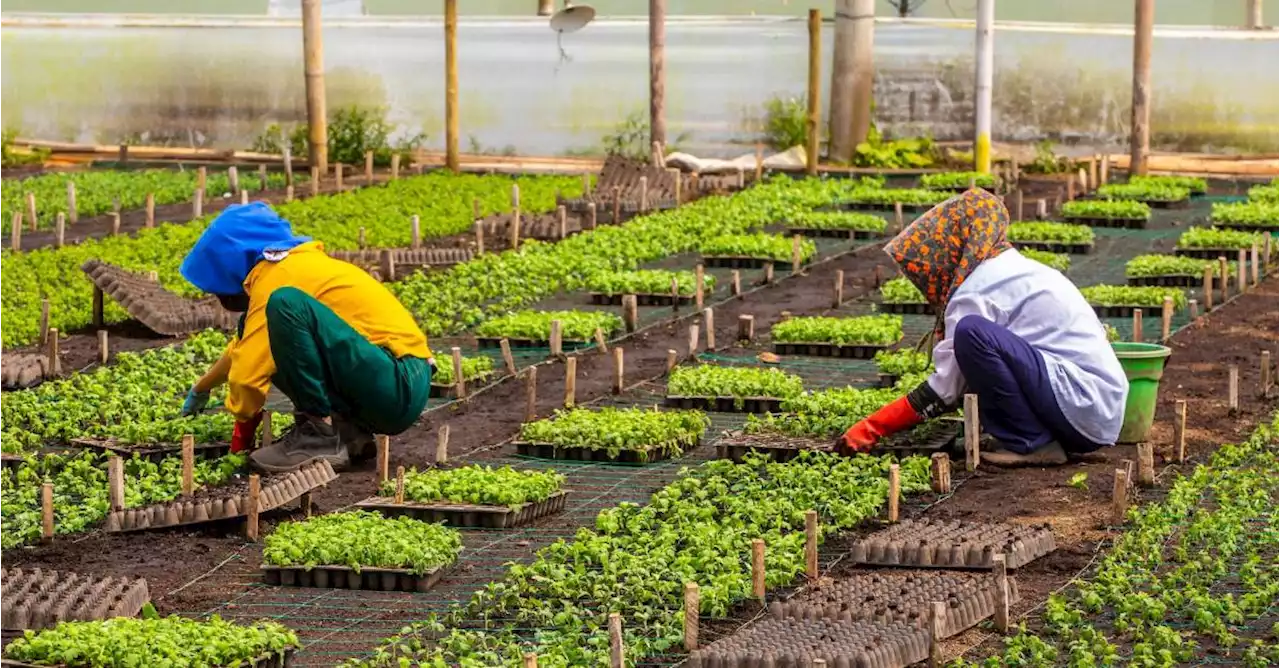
<point x="650" y="455"/>
<point x="273" y="660"/>
<point x="642" y="299"/>
<point x="875" y="206"/>
<point x="1055" y="247"/>
<point x="343" y="577"/>
<point x="1122" y="223"/>
<point x="1171" y="281"/>
<point x="906" y="308"/>
<point x="857" y="352"/>
<point x="466" y="515"/>
<point x="1207" y="253"/>
<point x="927" y="543"/>
<point x="825" y="233"/>
<point x="1123" y="311"/>
<point x="726" y="404"/>
<point x="736" y="262"/>
<point x="151" y="451"/>
<point x="785" y="448"/>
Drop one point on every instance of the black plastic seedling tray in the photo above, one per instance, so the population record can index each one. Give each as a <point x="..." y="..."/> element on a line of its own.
<point x="1171" y="280"/>
<point x="152" y="452"/>
<point x="282" y="659"/>
<point x="343" y="577"/>
<point x="1055" y="247"/>
<point x="1123" y="311"/>
<point x="726" y="404"/>
<point x="467" y="515"/>
<point x="1122" y="223"/>
<point x="875" y="206"/>
<point x="942" y="438"/>
<point x="496" y="342"/>
<point x="856" y="352"/>
<point x="642" y="299"/>
<point x="736" y="262"/>
<point x="823" y="233"/>
<point x="906" y="308"/>
<point x="576" y="454"/>
<point x="887" y="379"/>
<point x="1208" y="253"/>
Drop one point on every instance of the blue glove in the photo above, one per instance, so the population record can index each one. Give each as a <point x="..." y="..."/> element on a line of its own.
<point x="195" y="402"/>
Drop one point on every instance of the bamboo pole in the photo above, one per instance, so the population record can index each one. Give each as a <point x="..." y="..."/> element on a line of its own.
<point x="313" y="67"/>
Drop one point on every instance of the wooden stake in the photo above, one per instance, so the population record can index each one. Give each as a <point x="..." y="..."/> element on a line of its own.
<point x="338" y="170"/>
<point x="1233" y="389"/>
<point x="1137" y="325"/>
<point x="759" y="161"/>
<point x="531" y="394"/>
<point x="151" y="210"/>
<point x="617" y="370"/>
<point x="692" y="606"/>
<point x="415" y="232"/>
<point x="644" y="194"/>
<point x="1042" y="209"/>
<point x="1193" y="309"/>
<point x="562" y="222"/>
<point x="617" y="205"/>
<point x="1146" y="464"/>
<point x="507" y="360"/>
<point x="1001" y="572"/>
<point x="98" y="308"/>
<point x="59" y="230"/>
<point x="384" y="457"/>
<point x="709" y="324"/>
<point x="699" y="285"/>
<point x="197" y="204"/>
<point x="555" y="339"/>
<point x="288" y="193"/>
<point x="591" y="216"/>
<point x="1223" y="277"/>
<point x="368" y="168"/>
<point x="795" y="254"/>
<point x="735" y="283"/>
<point x="616" y="657"/>
<point x="1166" y="318"/>
<point x="305" y="504"/>
<point x="395" y="166"/>
<point x="811" y="544"/>
<point x="115" y="482"/>
<point x="899" y="220"/>
<point x="693" y="341"/>
<point x="1266" y="373"/>
<point x="768" y="273"/>
<point x="72" y="212"/>
<point x="251" y="513"/>
<point x="115" y="223"/>
<point x="459" y="383"/>
<point x="1208" y="287"/>
<point x="630" y="312"/>
<point x="672" y="358"/>
<point x="15" y="232"/>
<point x="44" y="320"/>
<point x="570" y="381"/>
<point x="55" y="358"/>
<point x="514" y="231"/>
<point x="600" y="342"/>
<point x="442" y="445"/>
<point x="675" y="183"/>
<point x="530" y="660"/>
<point x="244" y="196"/>
<point x="262" y="178"/>
<point x="1017" y="204"/>
<point x="675" y="295"/>
<point x="1253" y="263"/>
<point x="837" y="293"/>
<point x="746" y="327"/>
<point x="937" y="617"/>
<point x="399" y="497"/>
<point x="895" y="491"/>
<point x="478" y="227"/>
<point x="46" y="510"/>
<point x="202" y="174"/>
<point x="1266" y="250"/>
<point x="233" y="179"/>
<point x="1180" y="430"/>
<point x="1071" y="189"/>
<point x="314" y="181"/>
<point x="1120" y="496"/>
<point x="1103" y="169"/>
<point x="757" y="569"/>
<point x="31" y="211"/>
<point x="972" y="430"/>
<point x="188" y="465"/>
<point x="941" y="473"/>
<point x="1242" y="264"/>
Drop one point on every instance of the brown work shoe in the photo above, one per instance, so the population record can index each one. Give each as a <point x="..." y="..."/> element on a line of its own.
<point x="1049" y="454"/>
<point x="309" y="440"/>
<point x="358" y="441"/>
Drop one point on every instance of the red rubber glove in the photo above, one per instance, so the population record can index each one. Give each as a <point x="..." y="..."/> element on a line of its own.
<point x="242" y="437"/>
<point x="891" y="419"/>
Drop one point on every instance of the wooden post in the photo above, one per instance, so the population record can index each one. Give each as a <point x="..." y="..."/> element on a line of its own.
<point x="368" y="168"/>
<point x="251" y="513"/>
<point x="44" y="320"/>
<point x="811" y="544"/>
<point x="1137" y="325"/>
<point x="515" y="216"/>
<point x="395" y="166"/>
<point x="1233" y="388"/>
<point x="507" y="360"/>
<point x="115" y="482"/>
<point x="746" y="327"/>
<point x="267" y="434"/>
<point x="693" y="341"/>
<point x="478" y="227"/>
<point x="1266" y="250"/>
<point x="151" y="210"/>
<point x="675" y="295"/>
<point x="591" y="216"/>
<point x="1242" y="264"/>
<point x="188" y="464"/>
<point x="115" y="223"/>
<point x="768" y="273"/>
<point x="617" y="370"/>
<point x="813" y="120"/>
<point x="1253" y="263"/>
<point x="675" y="183"/>
<point x="937" y="617"/>
<point x="759" y="161"/>
<point x="1071" y="189"/>
<point x="1224" y="277"/>
<point x="530" y="660"/>
<point x="1140" y="131"/>
<point x="672" y="358"/>
<point x="757" y="569"/>
<point x="1120" y="496"/>
<point x="555" y="339"/>
<point x="338" y="170"/>
<point x="31" y="211"/>
<point x="459" y="383"/>
<point x="1166" y="318"/>
<point x="46" y="510"/>
<point x="197" y="204"/>
<point x="795" y="254"/>
<point x="1042" y="209"/>
<point x="415" y="232"/>
<point x="895" y="491"/>
<point x="657" y="73"/>
<point x="442" y="445"/>
<point x="313" y="68"/>
<point x="837" y="296"/>
<point x="1180" y="430"/>
<point x="233" y="179"/>
<point x="617" y="205"/>
<point x="570" y="381"/>
<point x="531" y="394"/>
<point x="384" y="457"/>
<point x="1104" y="167"/>
<point x="399" y="497"/>
<point x="692" y="606"/>
<point x="644" y="194"/>
<point x="699" y="285"/>
<point x="15" y="232"/>
<point x="1146" y="464"/>
<point x="941" y="473"/>
<point x="387" y="262"/>
<point x="616" y="657"/>
<point x="72" y="212"/>
<point x="55" y="358"/>
<point x="735" y="283"/>
<point x="630" y="312"/>
<point x="709" y="324"/>
<point x="1001" y="572"/>
<point x="972" y="430"/>
<point x="1093" y="172"/>
<point x="1017" y="204"/>
<point x="1266" y="372"/>
<point x="314" y="182"/>
<point x="262" y="178"/>
<point x="59" y="230"/>
<point x="1193" y="309"/>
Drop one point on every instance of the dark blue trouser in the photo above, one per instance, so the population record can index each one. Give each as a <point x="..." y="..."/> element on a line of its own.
<point x="1016" y="401"/>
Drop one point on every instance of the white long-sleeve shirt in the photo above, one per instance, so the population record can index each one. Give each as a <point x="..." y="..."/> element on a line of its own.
<point x="1043" y="307"/>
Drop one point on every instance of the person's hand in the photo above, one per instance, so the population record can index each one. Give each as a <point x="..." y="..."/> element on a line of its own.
<point x="891" y="419"/>
<point x="243" y="435"/>
<point x="195" y="402"/>
<point x="860" y="437"/>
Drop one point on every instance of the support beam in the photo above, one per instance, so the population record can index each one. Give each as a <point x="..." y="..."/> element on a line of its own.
<point x="451" y="84"/>
<point x="1144" y="13"/>
<point x="313" y="67"/>
<point x="813" y="123"/>
<point x="657" y="73"/>
<point x="984" y="73"/>
<point x="852" y="75"/>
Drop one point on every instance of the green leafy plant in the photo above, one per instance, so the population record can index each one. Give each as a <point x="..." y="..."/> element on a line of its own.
<point x="1213" y="237"/>
<point x="1193" y="184"/>
<point x="1064" y="233"/>
<point x="786" y="122"/>
<point x="1169" y="265"/>
<point x="352" y="131"/>
<point x="1113" y="334"/>
<point x="473" y="368"/>
<point x="1143" y="192"/>
<point x="707" y="380"/>
<point x="763" y="246"/>
<point x="1079" y="481"/>
<point x="891" y="196"/>
<point x="870" y="330"/>
<point x="536" y="325"/>
<point x="1047" y="162"/>
<point x="361" y="539"/>
<point x="838" y="220"/>
<point x="617" y="429"/>
<point x="901" y="290"/>
<point x="477" y="485"/>
<point x="1059" y="261"/>
<point x="955" y="180"/>
<point x="823" y="414"/>
<point x="905" y="153"/>
<point x="647" y="282"/>
<point x="1252" y="213"/>
<point x="1106" y="209"/>
<point x="173" y="641"/>
<point x="1267" y="194"/>
<point x="12" y="157"/>
<point x="900" y="362"/>
<point x="1132" y="295"/>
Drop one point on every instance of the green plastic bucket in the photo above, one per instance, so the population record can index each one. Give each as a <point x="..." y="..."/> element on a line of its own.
<point x="1143" y="365"/>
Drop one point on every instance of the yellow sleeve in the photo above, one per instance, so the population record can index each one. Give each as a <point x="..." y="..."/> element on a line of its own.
<point x="251" y="365"/>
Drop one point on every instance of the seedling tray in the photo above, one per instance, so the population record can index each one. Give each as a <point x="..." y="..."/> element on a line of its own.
<point x="736" y="262"/>
<point x="1248" y="228"/>
<point x="1208" y="253"/>
<point x="887" y="379"/>
<point x="496" y="342"/>
<point x="222" y="503"/>
<point x="823" y="233"/>
<point x="726" y="404"/>
<point x="272" y="660"/>
<point x="960" y="545"/>
<point x="153" y="451"/>
<point x="343" y="577"/>
<point x="1123" y="223"/>
<point x="38" y="599"/>
<point x="551" y="451"/>
<point x="961" y="189"/>
<point x="151" y="304"/>
<point x="872" y="206"/>
<point x="1167" y="203"/>
<point x="1170" y="280"/>
<point x="1055" y="247"/>
<point x="441" y="391"/>
<point x="642" y="299"/>
<point x="857" y="352"/>
<point x="1123" y="311"/>
<point x="898" y="598"/>
<point x="10" y="461"/>
<point x="796" y="642"/>
<point x="941" y="438"/>
<point x="466" y="515"/>
<point x="906" y="308"/>
<point x="777" y="447"/>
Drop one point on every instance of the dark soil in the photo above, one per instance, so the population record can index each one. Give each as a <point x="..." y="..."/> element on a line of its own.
<point x="79" y="350"/>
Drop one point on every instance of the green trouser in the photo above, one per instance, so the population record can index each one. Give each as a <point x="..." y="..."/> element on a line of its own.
<point x="326" y="367"/>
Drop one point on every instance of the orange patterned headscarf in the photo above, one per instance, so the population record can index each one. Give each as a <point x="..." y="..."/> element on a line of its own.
<point x="940" y="249"/>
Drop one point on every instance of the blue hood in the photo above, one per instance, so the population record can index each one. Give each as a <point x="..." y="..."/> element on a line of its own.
<point x="234" y="242"/>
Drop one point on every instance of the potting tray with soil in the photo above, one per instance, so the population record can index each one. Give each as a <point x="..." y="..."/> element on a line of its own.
<point x="1208" y="253"/>
<point x="950" y="544"/>
<point x="468" y="515"/>
<point x="777" y="642"/>
<point x="647" y="455"/>
<point x="937" y="436"/>
<point x="223" y="502"/>
<point x="19" y="371"/>
<point x="851" y="351"/>
<point x="273" y="660"/>
<point x="343" y="577"/>
<point x="1171" y="280"/>
<point x="898" y="598"/>
<point x="736" y="262"/>
<point x="496" y="342"/>
<point x="37" y="599"/>
<point x="151" y="304"/>
<point x="832" y="233"/>
<point x="151" y="451"/>
<point x="725" y="404"/>
<point x="906" y="308"/>
<point x="1055" y="247"/>
<point x="1123" y="311"/>
<point x="642" y="299"/>
<point x="777" y="447"/>
<point x="1094" y="221"/>
<point x="879" y="206"/>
